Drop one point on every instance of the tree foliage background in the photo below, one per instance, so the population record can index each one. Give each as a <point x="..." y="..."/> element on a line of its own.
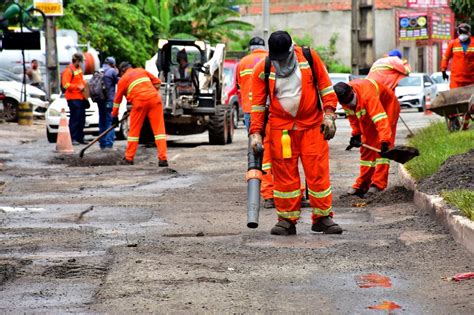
<point x="464" y="10"/>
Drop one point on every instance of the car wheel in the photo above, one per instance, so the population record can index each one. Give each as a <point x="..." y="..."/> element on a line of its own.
<point x="52" y="137"/>
<point x="10" y="109"/>
<point x="235" y="113"/>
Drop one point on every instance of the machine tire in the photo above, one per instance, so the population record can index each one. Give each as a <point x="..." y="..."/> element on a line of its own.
<point x="10" y="109"/>
<point x="218" y="126"/>
<point x="52" y="137"/>
<point x="230" y="123"/>
<point x="235" y="114"/>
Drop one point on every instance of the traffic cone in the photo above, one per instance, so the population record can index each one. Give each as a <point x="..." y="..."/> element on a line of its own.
<point x="428" y="105"/>
<point x="64" y="142"/>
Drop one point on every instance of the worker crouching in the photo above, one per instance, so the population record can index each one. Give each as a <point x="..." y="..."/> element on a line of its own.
<point x="372" y="110"/>
<point x="141" y="89"/>
<point x="298" y="129"/>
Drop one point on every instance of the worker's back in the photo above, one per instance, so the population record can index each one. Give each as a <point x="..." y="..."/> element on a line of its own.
<point x="389" y="71"/>
<point x="138" y="85"/>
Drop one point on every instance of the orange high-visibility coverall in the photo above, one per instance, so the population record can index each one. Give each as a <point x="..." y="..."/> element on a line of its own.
<point x="462" y="67"/>
<point x="244" y="80"/>
<point x="71" y="80"/>
<point x="307" y="142"/>
<point x="375" y="118"/>
<point x="138" y="86"/>
<point x="389" y="71"/>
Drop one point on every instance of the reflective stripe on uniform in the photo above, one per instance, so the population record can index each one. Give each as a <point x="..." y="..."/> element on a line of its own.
<point x="349" y="112"/>
<point x="116" y="105"/>
<point x="77" y="72"/>
<point x="375" y="84"/>
<point x="361" y="113"/>
<point x="456" y="49"/>
<point x="320" y="194"/>
<point x="381" y="67"/>
<point x="258" y="108"/>
<point x="262" y="75"/>
<point x="250" y="96"/>
<point x="322" y="212"/>
<point x="379" y="117"/>
<point x="160" y="136"/>
<point x="66" y="85"/>
<point x="287" y="194"/>
<point x="133" y="139"/>
<point x="382" y="161"/>
<point x="266" y="166"/>
<point x="367" y="163"/>
<point x="289" y="214"/>
<point x="304" y="65"/>
<point x="327" y="91"/>
<point x="137" y="81"/>
<point x="245" y="72"/>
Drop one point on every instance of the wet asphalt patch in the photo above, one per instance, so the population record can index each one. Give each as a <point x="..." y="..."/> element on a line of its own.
<point x="94" y="158"/>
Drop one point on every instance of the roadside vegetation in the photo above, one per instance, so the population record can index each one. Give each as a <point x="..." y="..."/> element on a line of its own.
<point x="436" y="145"/>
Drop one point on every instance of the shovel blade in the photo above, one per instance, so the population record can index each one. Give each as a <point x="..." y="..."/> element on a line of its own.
<point x="401" y="154"/>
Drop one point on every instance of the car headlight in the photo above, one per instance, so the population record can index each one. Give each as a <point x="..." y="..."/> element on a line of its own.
<point x="54" y="113"/>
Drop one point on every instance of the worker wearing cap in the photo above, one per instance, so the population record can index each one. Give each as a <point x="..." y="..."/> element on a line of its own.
<point x="73" y="83"/>
<point x="390" y="70"/>
<point x="141" y="89"/>
<point x="372" y="110"/>
<point x="299" y="127"/>
<point x="461" y="51"/>
<point x="105" y="107"/>
<point x="244" y="83"/>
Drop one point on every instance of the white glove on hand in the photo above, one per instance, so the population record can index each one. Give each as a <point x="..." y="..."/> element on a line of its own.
<point x="328" y="127"/>
<point x="255" y="139"/>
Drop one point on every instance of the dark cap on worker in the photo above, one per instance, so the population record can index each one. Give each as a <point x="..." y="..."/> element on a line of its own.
<point x="464" y="28"/>
<point x="77" y="57"/>
<point x="124" y="65"/>
<point x="344" y="92"/>
<point x="257" y="41"/>
<point x="279" y="45"/>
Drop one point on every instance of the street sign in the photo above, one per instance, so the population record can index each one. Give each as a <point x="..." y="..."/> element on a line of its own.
<point x="428" y="3"/>
<point x="413" y="26"/>
<point x="50" y="7"/>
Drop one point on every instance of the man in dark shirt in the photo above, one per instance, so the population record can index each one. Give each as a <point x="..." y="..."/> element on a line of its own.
<point x="105" y="107"/>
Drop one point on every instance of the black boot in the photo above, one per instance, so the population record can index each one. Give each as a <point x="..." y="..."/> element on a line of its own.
<point x="163" y="163"/>
<point x="327" y="226"/>
<point x="284" y="228"/>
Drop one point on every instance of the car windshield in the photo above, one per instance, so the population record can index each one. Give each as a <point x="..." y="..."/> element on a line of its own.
<point x="228" y="76"/>
<point x="438" y="78"/>
<point x="8" y="76"/>
<point x="410" y="81"/>
<point x="336" y="80"/>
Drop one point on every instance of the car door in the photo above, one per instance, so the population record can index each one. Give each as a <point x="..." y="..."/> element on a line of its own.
<point x="429" y="88"/>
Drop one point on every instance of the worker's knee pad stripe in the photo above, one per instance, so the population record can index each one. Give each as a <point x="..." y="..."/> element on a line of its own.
<point x="382" y="161"/>
<point x="320" y="194"/>
<point x="379" y="117"/>
<point x="160" y="136"/>
<point x="287" y="195"/>
<point x="367" y="163"/>
<point x="289" y="214"/>
<point x="322" y="212"/>
<point x="133" y="139"/>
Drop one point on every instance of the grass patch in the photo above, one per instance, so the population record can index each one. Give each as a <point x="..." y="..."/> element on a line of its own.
<point x="436" y="145"/>
<point x="462" y="199"/>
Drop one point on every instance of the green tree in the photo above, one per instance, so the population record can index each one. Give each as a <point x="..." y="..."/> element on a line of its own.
<point x="463" y="9"/>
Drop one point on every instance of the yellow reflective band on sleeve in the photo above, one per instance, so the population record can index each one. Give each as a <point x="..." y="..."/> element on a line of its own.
<point x="367" y="163"/>
<point x="77" y="72"/>
<point x="245" y="72"/>
<point x="379" y="117"/>
<point x="258" y="109"/>
<point x="320" y="194"/>
<point x="322" y="212"/>
<point x="376" y="85"/>
<point x="116" y="105"/>
<point x="137" y="81"/>
<point x="361" y="113"/>
<point x="326" y="91"/>
<point x="382" y="161"/>
<point x="303" y="65"/>
<point x="349" y="112"/>
<point x="250" y="96"/>
<point x="66" y="85"/>
<point x="287" y="194"/>
<point x="133" y="139"/>
<point x="160" y="137"/>
<point x="290" y="215"/>
<point x="266" y="166"/>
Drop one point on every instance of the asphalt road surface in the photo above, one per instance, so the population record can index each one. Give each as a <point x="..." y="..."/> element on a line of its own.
<point x="123" y="239"/>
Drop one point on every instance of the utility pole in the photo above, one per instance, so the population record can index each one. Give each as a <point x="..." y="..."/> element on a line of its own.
<point x="355" y="48"/>
<point x="266" y="19"/>
<point x="362" y="36"/>
<point x="51" y="56"/>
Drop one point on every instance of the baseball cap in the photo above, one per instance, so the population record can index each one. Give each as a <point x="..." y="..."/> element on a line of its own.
<point x="279" y="45"/>
<point x="395" y="53"/>
<point x="110" y="60"/>
<point x="257" y="41"/>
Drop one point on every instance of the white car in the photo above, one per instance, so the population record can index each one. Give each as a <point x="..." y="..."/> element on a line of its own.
<point x="53" y="115"/>
<point x="336" y="78"/>
<point x="413" y="91"/>
<point x="12" y="91"/>
<point x="441" y="84"/>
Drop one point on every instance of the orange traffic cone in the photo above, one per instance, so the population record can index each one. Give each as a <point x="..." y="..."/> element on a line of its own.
<point x="64" y="142"/>
<point x="428" y="105"/>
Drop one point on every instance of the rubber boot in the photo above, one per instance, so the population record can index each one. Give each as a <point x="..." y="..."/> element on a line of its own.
<point x="327" y="226"/>
<point x="284" y="228"/>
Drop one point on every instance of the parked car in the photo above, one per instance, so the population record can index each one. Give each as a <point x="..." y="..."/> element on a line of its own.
<point x="413" y="90"/>
<point x="231" y="92"/>
<point x="53" y="115"/>
<point x="2" y="97"/>
<point x="336" y="78"/>
<point x="441" y="84"/>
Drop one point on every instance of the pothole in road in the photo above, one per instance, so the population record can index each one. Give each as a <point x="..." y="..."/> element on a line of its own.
<point x="95" y="158"/>
<point x="7" y="272"/>
<point x="74" y="270"/>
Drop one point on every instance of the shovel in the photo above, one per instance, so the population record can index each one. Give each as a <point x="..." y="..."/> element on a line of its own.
<point x="398" y="153"/>
<point x="125" y="116"/>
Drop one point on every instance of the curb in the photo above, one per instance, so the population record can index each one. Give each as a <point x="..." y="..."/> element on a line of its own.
<point x="460" y="227"/>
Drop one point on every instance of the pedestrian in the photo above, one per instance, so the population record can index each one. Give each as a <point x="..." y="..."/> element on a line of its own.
<point x="74" y="85"/>
<point x="299" y="127"/>
<point x="34" y="75"/>
<point x="141" y="89"/>
<point x="390" y="70"/>
<point x="110" y="80"/>
<point x="372" y="110"/>
<point x="244" y="84"/>
<point x="461" y="51"/>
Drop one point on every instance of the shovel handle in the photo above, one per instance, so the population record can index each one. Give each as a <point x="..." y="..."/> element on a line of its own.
<point x="371" y="147"/>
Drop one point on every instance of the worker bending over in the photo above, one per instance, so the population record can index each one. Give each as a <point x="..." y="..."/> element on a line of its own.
<point x="390" y="70"/>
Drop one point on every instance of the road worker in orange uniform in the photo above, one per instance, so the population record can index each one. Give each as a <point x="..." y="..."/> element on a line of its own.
<point x="461" y="51"/>
<point x="299" y="127"/>
<point x="141" y="90"/>
<point x="372" y="110"/>
<point x="390" y="70"/>
<point x="244" y="81"/>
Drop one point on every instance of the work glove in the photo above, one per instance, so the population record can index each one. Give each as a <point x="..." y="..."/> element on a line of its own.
<point x="445" y="76"/>
<point x="115" y="121"/>
<point x="355" y="142"/>
<point x="255" y="141"/>
<point x="328" y="127"/>
<point x="384" y="147"/>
